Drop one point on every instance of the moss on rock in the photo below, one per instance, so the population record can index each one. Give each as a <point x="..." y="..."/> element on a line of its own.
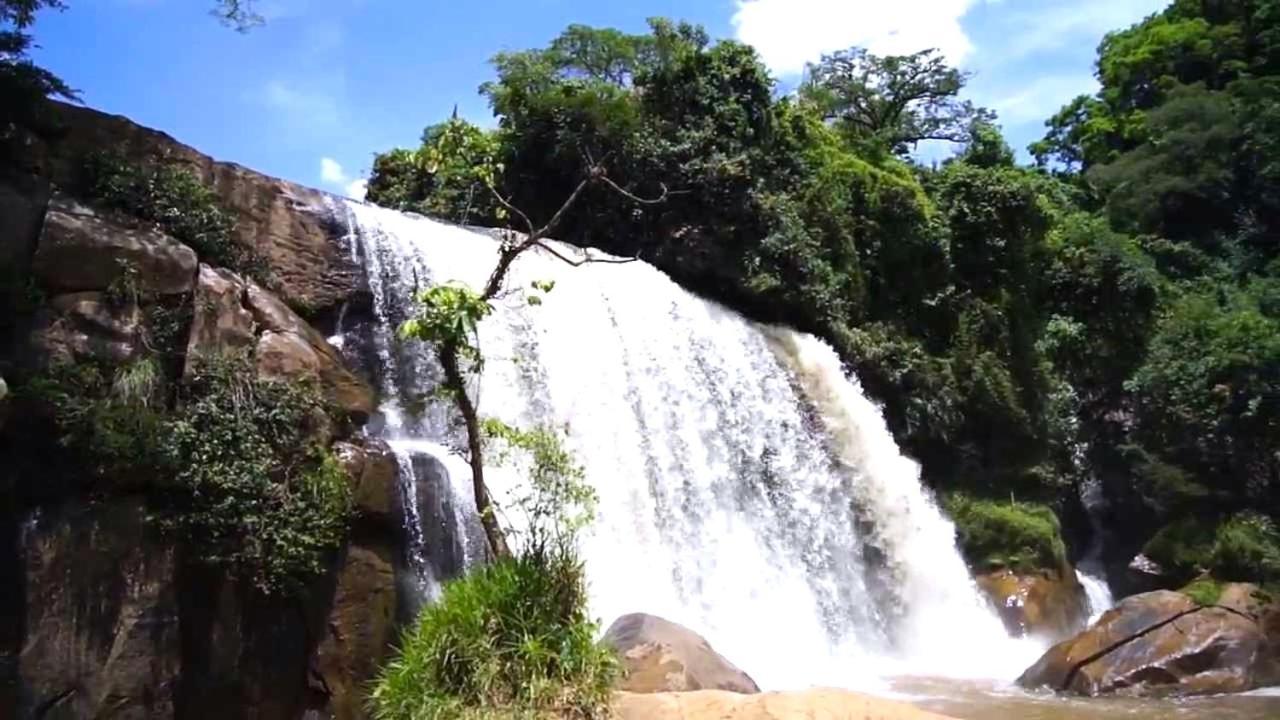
<point x="992" y="534"/>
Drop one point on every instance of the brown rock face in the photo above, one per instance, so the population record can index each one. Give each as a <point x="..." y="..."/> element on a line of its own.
<point x="22" y="208"/>
<point x="360" y="631"/>
<point x="220" y="322"/>
<point x="84" y="326"/>
<point x="372" y="468"/>
<point x="290" y="348"/>
<point x="286" y="223"/>
<point x="720" y="705"/>
<point x="102" y="637"/>
<point x="232" y="313"/>
<point x="1051" y="605"/>
<point x="80" y="250"/>
<point x="1264" y="608"/>
<point x="661" y="656"/>
<point x="1159" y="643"/>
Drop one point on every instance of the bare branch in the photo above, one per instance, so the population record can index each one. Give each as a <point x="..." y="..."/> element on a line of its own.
<point x="632" y="197"/>
<point x="586" y="259"/>
<point x="510" y="208"/>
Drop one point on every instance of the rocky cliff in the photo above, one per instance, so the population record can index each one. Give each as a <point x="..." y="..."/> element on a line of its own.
<point x="106" y="614"/>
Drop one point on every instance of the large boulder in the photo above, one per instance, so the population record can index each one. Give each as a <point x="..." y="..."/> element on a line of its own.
<point x="371" y="466"/>
<point x="291" y="348"/>
<point x="81" y="250"/>
<point x="661" y="656"/>
<point x="1158" y="643"/>
<point x="1047" y="604"/>
<point x="360" y="631"/>
<point x="85" y="326"/>
<point x="220" y="322"/>
<point x="1264" y="608"/>
<point x="232" y="313"/>
<point x="101" y="630"/>
<point x="721" y="705"/>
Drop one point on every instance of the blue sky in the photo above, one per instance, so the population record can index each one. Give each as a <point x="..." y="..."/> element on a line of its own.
<point x="324" y="84"/>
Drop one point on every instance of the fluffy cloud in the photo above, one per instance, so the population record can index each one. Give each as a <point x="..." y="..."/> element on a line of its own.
<point x="332" y="174"/>
<point x="790" y="33"/>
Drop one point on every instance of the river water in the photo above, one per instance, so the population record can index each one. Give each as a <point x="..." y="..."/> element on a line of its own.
<point x="969" y="700"/>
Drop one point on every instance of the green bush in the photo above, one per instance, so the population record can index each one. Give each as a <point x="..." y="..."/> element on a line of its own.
<point x="510" y="640"/>
<point x="1183" y="548"/>
<point x="997" y="534"/>
<point x="1242" y="548"/>
<point x="109" y="419"/>
<point x="258" y="494"/>
<point x="1247" y="548"/>
<point x="177" y="202"/>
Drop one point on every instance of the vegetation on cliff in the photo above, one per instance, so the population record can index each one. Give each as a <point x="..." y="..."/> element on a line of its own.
<point x="234" y="465"/>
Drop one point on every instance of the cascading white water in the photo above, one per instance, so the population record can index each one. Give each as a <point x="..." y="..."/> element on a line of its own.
<point x="1098" y="594"/>
<point x="1090" y="571"/>
<point x="748" y="489"/>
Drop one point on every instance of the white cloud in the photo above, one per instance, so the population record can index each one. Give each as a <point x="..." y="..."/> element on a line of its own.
<point x="314" y="110"/>
<point x="1042" y="97"/>
<point x="332" y="173"/>
<point x="790" y="33"/>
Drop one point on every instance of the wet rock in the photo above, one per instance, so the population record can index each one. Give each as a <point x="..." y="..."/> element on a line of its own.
<point x="1145" y="575"/>
<point x="661" y="656"/>
<point x="721" y="705"/>
<point x="360" y="631"/>
<point x="1046" y="604"/>
<point x="85" y="326"/>
<point x="101" y="633"/>
<point x="1264" y="608"/>
<point x="372" y="468"/>
<point x="1159" y="643"/>
<point x="82" y="250"/>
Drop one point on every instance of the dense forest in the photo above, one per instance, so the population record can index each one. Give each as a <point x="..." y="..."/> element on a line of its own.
<point x="1077" y="341"/>
<point x="1109" y="313"/>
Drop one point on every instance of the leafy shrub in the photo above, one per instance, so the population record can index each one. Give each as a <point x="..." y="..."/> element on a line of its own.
<point x="1247" y="548"/>
<point x="258" y="494"/>
<point x="1183" y="548"/>
<point x="1243" y="548"/>
<point x="177" y="202"/>
<point x="998" y="534"/>
<point x="110" y="419"/>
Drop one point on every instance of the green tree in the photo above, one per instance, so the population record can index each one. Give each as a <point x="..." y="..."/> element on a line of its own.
<point x="896" y="101"/>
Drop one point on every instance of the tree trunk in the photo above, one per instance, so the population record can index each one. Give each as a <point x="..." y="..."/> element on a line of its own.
<point x="484" y="504"/>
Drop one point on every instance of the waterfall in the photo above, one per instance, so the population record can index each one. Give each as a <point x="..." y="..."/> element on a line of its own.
<point x="748" y="488"/>
<point x="1090" y="570"/>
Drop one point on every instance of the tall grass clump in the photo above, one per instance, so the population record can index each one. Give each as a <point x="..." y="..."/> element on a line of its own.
<point x="512" y="639"/>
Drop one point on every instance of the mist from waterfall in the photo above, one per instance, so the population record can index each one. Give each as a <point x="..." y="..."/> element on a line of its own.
<point x="748" y="488"/>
